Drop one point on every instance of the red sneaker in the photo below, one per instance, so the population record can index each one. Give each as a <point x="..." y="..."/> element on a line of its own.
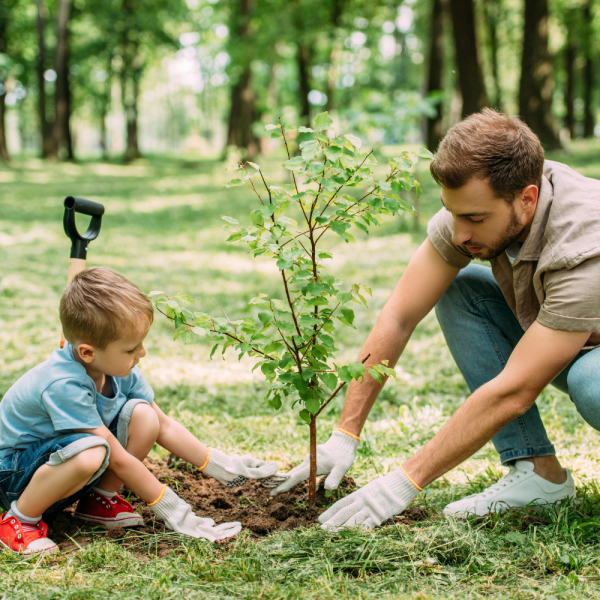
<point x="25" y="539"/>
<point x="110" y="512"/>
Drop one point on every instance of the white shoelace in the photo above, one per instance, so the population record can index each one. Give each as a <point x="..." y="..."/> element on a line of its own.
<point x="508" y="478"/>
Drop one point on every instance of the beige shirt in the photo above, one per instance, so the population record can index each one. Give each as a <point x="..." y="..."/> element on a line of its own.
<point x="555" y="278"/>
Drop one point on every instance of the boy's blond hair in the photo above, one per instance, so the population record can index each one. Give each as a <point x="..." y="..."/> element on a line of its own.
<point x="99" y="304"/>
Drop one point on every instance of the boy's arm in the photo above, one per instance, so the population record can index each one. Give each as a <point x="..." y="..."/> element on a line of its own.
<point x="175" y="438"/>
<point x="231" y="470"/>
<point x="128" y="468"/>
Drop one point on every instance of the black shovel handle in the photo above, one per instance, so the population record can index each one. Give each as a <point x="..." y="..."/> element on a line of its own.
<point x="85" y="207"/>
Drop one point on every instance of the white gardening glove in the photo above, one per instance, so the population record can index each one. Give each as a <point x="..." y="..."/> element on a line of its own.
<point x="334" y="458"/>
<point x="372" y="504"/>
<point x="235" y="470"/>
<point x="178" y="516"/>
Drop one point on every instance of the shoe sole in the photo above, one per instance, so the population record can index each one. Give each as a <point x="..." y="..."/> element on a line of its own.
<point x="28" y="555"/>
<point x="111" y="523"/>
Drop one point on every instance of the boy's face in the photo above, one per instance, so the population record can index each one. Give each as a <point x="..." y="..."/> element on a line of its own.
<point x="119" y="357"/>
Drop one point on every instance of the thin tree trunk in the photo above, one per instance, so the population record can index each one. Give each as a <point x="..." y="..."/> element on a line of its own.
<point x="242" y="113"/>
<point x="589" y="120"/>
<point x="130" y="72"/>
<point x="312" y="476"/>
<point x="537" y="84"/>
<point x="570" y="55"/>
<point x="434" y="78"/>
<point x="62" y="98"/>
<point x="48" y="150"/>
<point x="303" y="60"/>
<point x="470" y="75"/>
<point x="337" y="11"/>
<point x="4" y="16"/>
<point x="492" y="10"/>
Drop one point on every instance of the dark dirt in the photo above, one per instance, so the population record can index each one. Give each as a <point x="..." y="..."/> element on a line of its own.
<point x="250" y="504"/>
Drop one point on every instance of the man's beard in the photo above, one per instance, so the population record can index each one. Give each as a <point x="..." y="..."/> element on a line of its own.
<point x="514" y="230"/>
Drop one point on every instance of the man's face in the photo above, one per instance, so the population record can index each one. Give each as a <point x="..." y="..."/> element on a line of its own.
<point x="119" y="357"/>
<point x="484" y="224"/>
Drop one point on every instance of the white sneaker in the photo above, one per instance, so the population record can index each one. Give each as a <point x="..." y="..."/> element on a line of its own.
<point x="520" y="487"/>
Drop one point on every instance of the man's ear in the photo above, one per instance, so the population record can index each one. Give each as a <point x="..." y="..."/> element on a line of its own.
<point x="86" y="352"/>
<point x="529" y="198"/>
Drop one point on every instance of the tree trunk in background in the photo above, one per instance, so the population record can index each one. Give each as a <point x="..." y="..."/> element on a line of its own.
<point x="337" y="10"/>
<point x="537" y="84"/>
<point x="4" y="15"/>
<point x="62" y="97"/>
<point x="492" y="11"/>
<point x="589" y="121"/>
<point x="304" y="83"/>
<point x="242" y="113"/>
<point x="434" y="79"/>
<point x="470" y="75"/>
<point x="48" y="150"/>
<point x="570" y="55"/>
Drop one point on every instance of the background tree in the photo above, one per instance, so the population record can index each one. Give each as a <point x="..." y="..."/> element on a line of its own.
<point x="434" y="74"/>
<point x="589" y="120"/>
<point x="45" y="126"/>
<point x="63" y="142"/>
<point x="470" y="74"/>
<point x="537" y="83"/>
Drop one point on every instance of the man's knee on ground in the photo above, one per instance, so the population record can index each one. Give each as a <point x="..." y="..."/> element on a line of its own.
<point x="584" y="391"/>
<point x="87" y="462"/>
<point x="144" y="421"/>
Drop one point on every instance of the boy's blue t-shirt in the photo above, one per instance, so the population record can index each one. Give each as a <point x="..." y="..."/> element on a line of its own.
<point x="57" y="397"/>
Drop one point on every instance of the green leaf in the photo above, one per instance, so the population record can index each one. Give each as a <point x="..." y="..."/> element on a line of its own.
<point x="333" y="153"/>
<point x="178" y="321"/>
<point x="275" y="402"/>
<point x="257" y="218"/>
<point x="315" y="289"/>
<point x="348" y="314"/>
<point x="273" y="347"/>
<point x="362" y="227"/>
<point x="356" y="369"/>
<point x="311" y="150"/>
<point x="229" y="220"/>
<point x="214" y="349"/>
<point x="264" y="317"/>
<point x="312" y="405"/>
<point x="355" y="141"/>
<point x="329" y="379"/>
<point x="339" y="227"/>
<point x="155" y="293"/>
<point x="344" y="374"/>
<point x="300" y="384"/>
<point x="269" y="127"/>
<point x="424" y="153"/>
<point x="305" y="416"/>
<point x="375" y="375"/>
<point x="234" y="237"/>
<point x="321" y="220"/>
<point x="344" y="297"/>
<point x="323" y="121"/>
<point x="294" y="164"/>
<point x="198" y="331"/>
<point x="303" y="129"/>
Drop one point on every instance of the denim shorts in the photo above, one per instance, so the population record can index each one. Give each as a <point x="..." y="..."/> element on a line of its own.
<point x="17" y="470"/>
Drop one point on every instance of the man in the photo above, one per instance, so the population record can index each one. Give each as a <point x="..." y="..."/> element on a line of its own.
<point x="533" y="319"/>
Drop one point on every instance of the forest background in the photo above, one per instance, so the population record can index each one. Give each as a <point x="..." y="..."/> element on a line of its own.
<point x="140" y="105"/>
<point x="121" y="78"/>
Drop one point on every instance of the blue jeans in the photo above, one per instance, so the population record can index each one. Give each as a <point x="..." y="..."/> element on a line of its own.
<point x="481" y="332"/>
<point x="17" y="470"/>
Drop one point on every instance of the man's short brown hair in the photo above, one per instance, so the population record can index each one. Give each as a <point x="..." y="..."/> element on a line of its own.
<point x="493" y="146"/>
<point x="99" y="304"/>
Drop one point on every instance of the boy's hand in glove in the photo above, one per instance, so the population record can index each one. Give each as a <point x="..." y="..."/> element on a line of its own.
<point x="372" y="504"/>
<point x="334" y="458"/>
<point x="235" y="470"/>
<point x="178" y="516"/>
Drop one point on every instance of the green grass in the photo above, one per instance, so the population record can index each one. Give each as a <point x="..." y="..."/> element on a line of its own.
<point x="162" y="230"/>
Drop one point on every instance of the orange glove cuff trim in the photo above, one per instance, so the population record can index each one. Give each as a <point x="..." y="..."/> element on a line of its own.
<point x="411" y="479"/>
<point x="347" y="433"/>
<point x="205" y="462"/>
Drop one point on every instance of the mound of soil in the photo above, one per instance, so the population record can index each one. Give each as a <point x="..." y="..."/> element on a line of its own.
<point x="250" y="504"/>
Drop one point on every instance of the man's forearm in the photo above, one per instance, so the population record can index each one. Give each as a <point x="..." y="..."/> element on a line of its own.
<point x="386" y="341"/>
<point x="483" y="415"/>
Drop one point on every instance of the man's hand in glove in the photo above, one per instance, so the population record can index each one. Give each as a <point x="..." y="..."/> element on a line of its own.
<point x="372" y="504"/>
<point x="334" y="458"/>
<point x="235" y="470"/>
<point x="178" y="516"/>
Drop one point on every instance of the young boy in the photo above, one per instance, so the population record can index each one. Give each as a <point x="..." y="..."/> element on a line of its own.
<point x="78" y="426"/>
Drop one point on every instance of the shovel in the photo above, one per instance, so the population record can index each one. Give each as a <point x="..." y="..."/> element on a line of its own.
<point x="79" y="243"/>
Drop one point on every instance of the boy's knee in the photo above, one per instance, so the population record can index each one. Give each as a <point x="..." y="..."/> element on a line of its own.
<point x="144" y="417"/>
<point x="89" y="461"/>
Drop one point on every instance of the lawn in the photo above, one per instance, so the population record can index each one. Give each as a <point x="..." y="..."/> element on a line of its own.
<point x="162" y="229"/>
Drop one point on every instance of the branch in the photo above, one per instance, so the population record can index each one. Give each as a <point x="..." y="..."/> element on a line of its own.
<point x="339" y="387"/>
<point x="289" y="156"/>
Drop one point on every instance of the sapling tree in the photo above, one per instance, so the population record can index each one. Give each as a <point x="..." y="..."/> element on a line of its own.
<point x="335" y="188"/>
